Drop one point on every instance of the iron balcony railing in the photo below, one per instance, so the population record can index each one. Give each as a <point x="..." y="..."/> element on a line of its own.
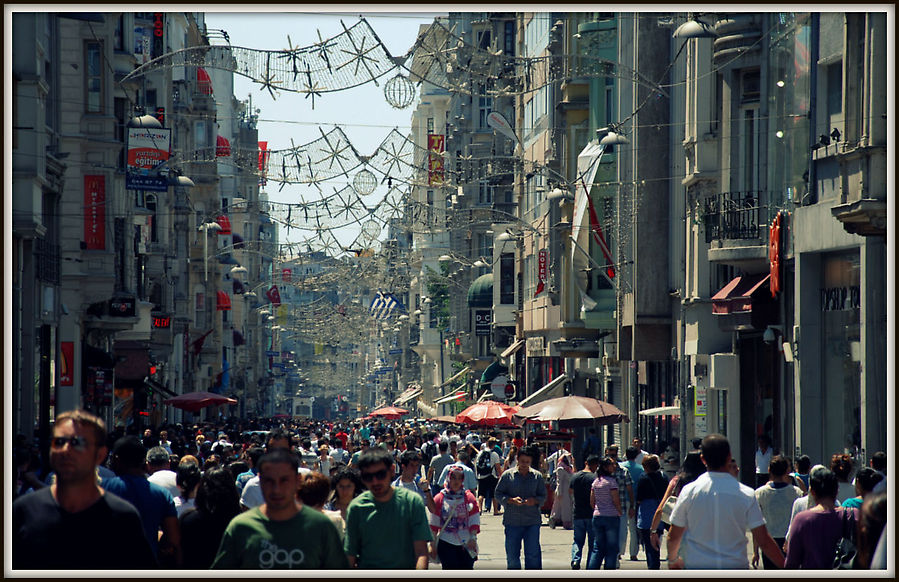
<point x="732" y="216"/>
<point x="46" y="261"/>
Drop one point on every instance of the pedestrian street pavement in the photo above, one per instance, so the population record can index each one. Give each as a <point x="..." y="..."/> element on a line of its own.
<point x="556" y="547"/>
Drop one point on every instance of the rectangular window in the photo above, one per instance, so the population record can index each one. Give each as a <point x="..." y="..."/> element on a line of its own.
<point x="93" y="77"/>
<point x="484" y="246"/>
<point x="507" y="279"/>
<point x="484" y="39"/>
<point x="530" y="275"/>
<point x="509" y="38"/>
<point x="834" y="81"/>
<point x="485" y="193"/>
<point x="430" y="125"/>
<point x="747" y="166"/>
<point x="200" y="134"/>
<point x="200" y="301"/>
<point x="485" y="106"/>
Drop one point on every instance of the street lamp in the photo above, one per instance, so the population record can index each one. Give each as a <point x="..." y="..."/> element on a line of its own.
<point x="206" y="227"/>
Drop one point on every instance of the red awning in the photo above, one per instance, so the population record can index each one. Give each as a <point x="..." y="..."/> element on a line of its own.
<point x="222" y="146"/>
<point x="204" y="82"/>
<point x="736" y="296"/>
<point x="224" y="223"/>
<point x="223" y="302"/>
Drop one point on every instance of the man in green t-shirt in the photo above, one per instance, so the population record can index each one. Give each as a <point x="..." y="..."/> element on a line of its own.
<point x="282" y="533"/>
<point x="386" y="526"/>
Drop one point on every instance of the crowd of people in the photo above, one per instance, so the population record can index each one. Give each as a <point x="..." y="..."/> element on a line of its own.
<point x="269" y="494"/>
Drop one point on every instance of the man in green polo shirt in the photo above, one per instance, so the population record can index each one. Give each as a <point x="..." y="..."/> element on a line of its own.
<point x="386" y="526"/>
<point x="282" y="533"/>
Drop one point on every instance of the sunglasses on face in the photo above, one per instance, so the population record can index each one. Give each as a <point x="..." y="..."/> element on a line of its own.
<point x="78" y="443"/>
<point x="379" y="475"/>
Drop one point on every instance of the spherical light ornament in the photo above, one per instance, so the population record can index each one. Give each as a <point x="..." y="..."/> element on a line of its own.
<point x="365" y="182"/>
<point x="399" y="92"/>
<point x="371" y="229"/>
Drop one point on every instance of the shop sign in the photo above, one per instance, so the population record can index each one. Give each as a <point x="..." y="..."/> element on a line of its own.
<point x="841" y="298"/>
<point x="95" y="212"/>
<point x="122" y="307"/>
<point x="534" y="346"/>
<point x="482" y="321"/>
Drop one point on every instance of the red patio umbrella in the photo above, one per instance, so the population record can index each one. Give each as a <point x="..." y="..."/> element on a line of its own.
<point x="388" y="412"/>
<point x="196" y="401"/>
<point x="487" y="413"/>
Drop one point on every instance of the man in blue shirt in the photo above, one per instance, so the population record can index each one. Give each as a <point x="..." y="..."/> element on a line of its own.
<point x="523" y="491"/>
<point x="253" y="456"/>
<point x="635" y="470"/>
<point x="154" y="503"/>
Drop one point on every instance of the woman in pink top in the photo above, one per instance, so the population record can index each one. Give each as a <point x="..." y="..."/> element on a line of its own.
<point x="606" y="516"/>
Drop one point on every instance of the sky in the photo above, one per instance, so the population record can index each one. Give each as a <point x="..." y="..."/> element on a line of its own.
<point x="362" y="112"/>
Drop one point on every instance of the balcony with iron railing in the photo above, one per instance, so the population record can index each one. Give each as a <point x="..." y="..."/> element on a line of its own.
<point x="46" y="261"/>
<point x="732" y="216"/>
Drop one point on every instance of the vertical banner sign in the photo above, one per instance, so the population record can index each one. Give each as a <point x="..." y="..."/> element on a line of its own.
<point x="158" y="46"/>
<point x="95" y="213"/>
<point x="285" y="275"/>
<point x="147" y="148"/>
<point x="435" y="159"/>
<point x="482" y="322"/>
<point x="700" y="409"/>
<point x="66" y="369"/>
<point x="263" y="161"/>
<point x="541" y="272"/>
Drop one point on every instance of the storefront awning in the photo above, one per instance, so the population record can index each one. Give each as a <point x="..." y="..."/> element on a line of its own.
<point x="545" y="392"/>
<point x="222" y="146"/>
<point x="204" y="81"/>
<point x="512" y="349"/>
<point x="737" y="296"/>
<point x="455" y="396"/>
<point x="455" y="377"/>
<point x="408" y="395"/>
<point x="661" y="411"/>
<point x="223" y="302"/>
<point x="225" y="223"/>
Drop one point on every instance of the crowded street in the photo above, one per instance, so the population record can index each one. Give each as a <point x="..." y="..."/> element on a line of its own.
<point x="360" y="287"/>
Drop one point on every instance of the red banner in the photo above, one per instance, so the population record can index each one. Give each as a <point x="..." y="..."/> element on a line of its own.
<point x="435" y="159"/>
<point x="541" y="272"/>
<point x="95" y="212"/>
<point x="263" y="161"/>
<point x="274" y="296"/>
<point x="66" y="363"/>
<point x="286" y="274"/>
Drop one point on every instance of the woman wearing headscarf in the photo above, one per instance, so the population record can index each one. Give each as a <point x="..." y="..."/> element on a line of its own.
<point x="455" y="521"/>
<point x="562" y="509"/>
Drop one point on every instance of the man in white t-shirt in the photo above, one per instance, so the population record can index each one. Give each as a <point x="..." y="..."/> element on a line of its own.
<point x="159" y="472"/>
<point x="712" y="515"/>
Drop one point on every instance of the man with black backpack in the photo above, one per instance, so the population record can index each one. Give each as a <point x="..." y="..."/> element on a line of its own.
<point x="487" y="468"/>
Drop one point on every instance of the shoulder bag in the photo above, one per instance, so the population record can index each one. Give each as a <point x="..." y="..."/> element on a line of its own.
<point x="845" y="552"/>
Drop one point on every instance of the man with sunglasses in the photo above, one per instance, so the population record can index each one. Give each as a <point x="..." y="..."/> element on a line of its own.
<point x="386" y="527"/>
<point x="74" y="524"/>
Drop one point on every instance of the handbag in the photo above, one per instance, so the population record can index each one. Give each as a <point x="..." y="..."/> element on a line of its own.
<point x="668" y="507"/>
<point x="844" y="555"/>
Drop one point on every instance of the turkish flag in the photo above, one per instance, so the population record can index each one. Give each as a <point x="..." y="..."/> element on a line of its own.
<point x="274" y="296"/>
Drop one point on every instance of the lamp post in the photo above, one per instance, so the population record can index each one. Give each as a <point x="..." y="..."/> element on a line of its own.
<point x="206" y="227"/>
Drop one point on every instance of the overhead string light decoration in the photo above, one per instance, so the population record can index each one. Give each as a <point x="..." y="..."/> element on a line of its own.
<point x="357" y="56"/>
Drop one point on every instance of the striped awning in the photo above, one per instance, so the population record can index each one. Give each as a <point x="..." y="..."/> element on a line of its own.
<point x="512" y="349"/>
<point x="544" y="392"/>
<point x="454" y="377"/>
<point x="457" y="395"/>
<point x="408" y="395"/>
